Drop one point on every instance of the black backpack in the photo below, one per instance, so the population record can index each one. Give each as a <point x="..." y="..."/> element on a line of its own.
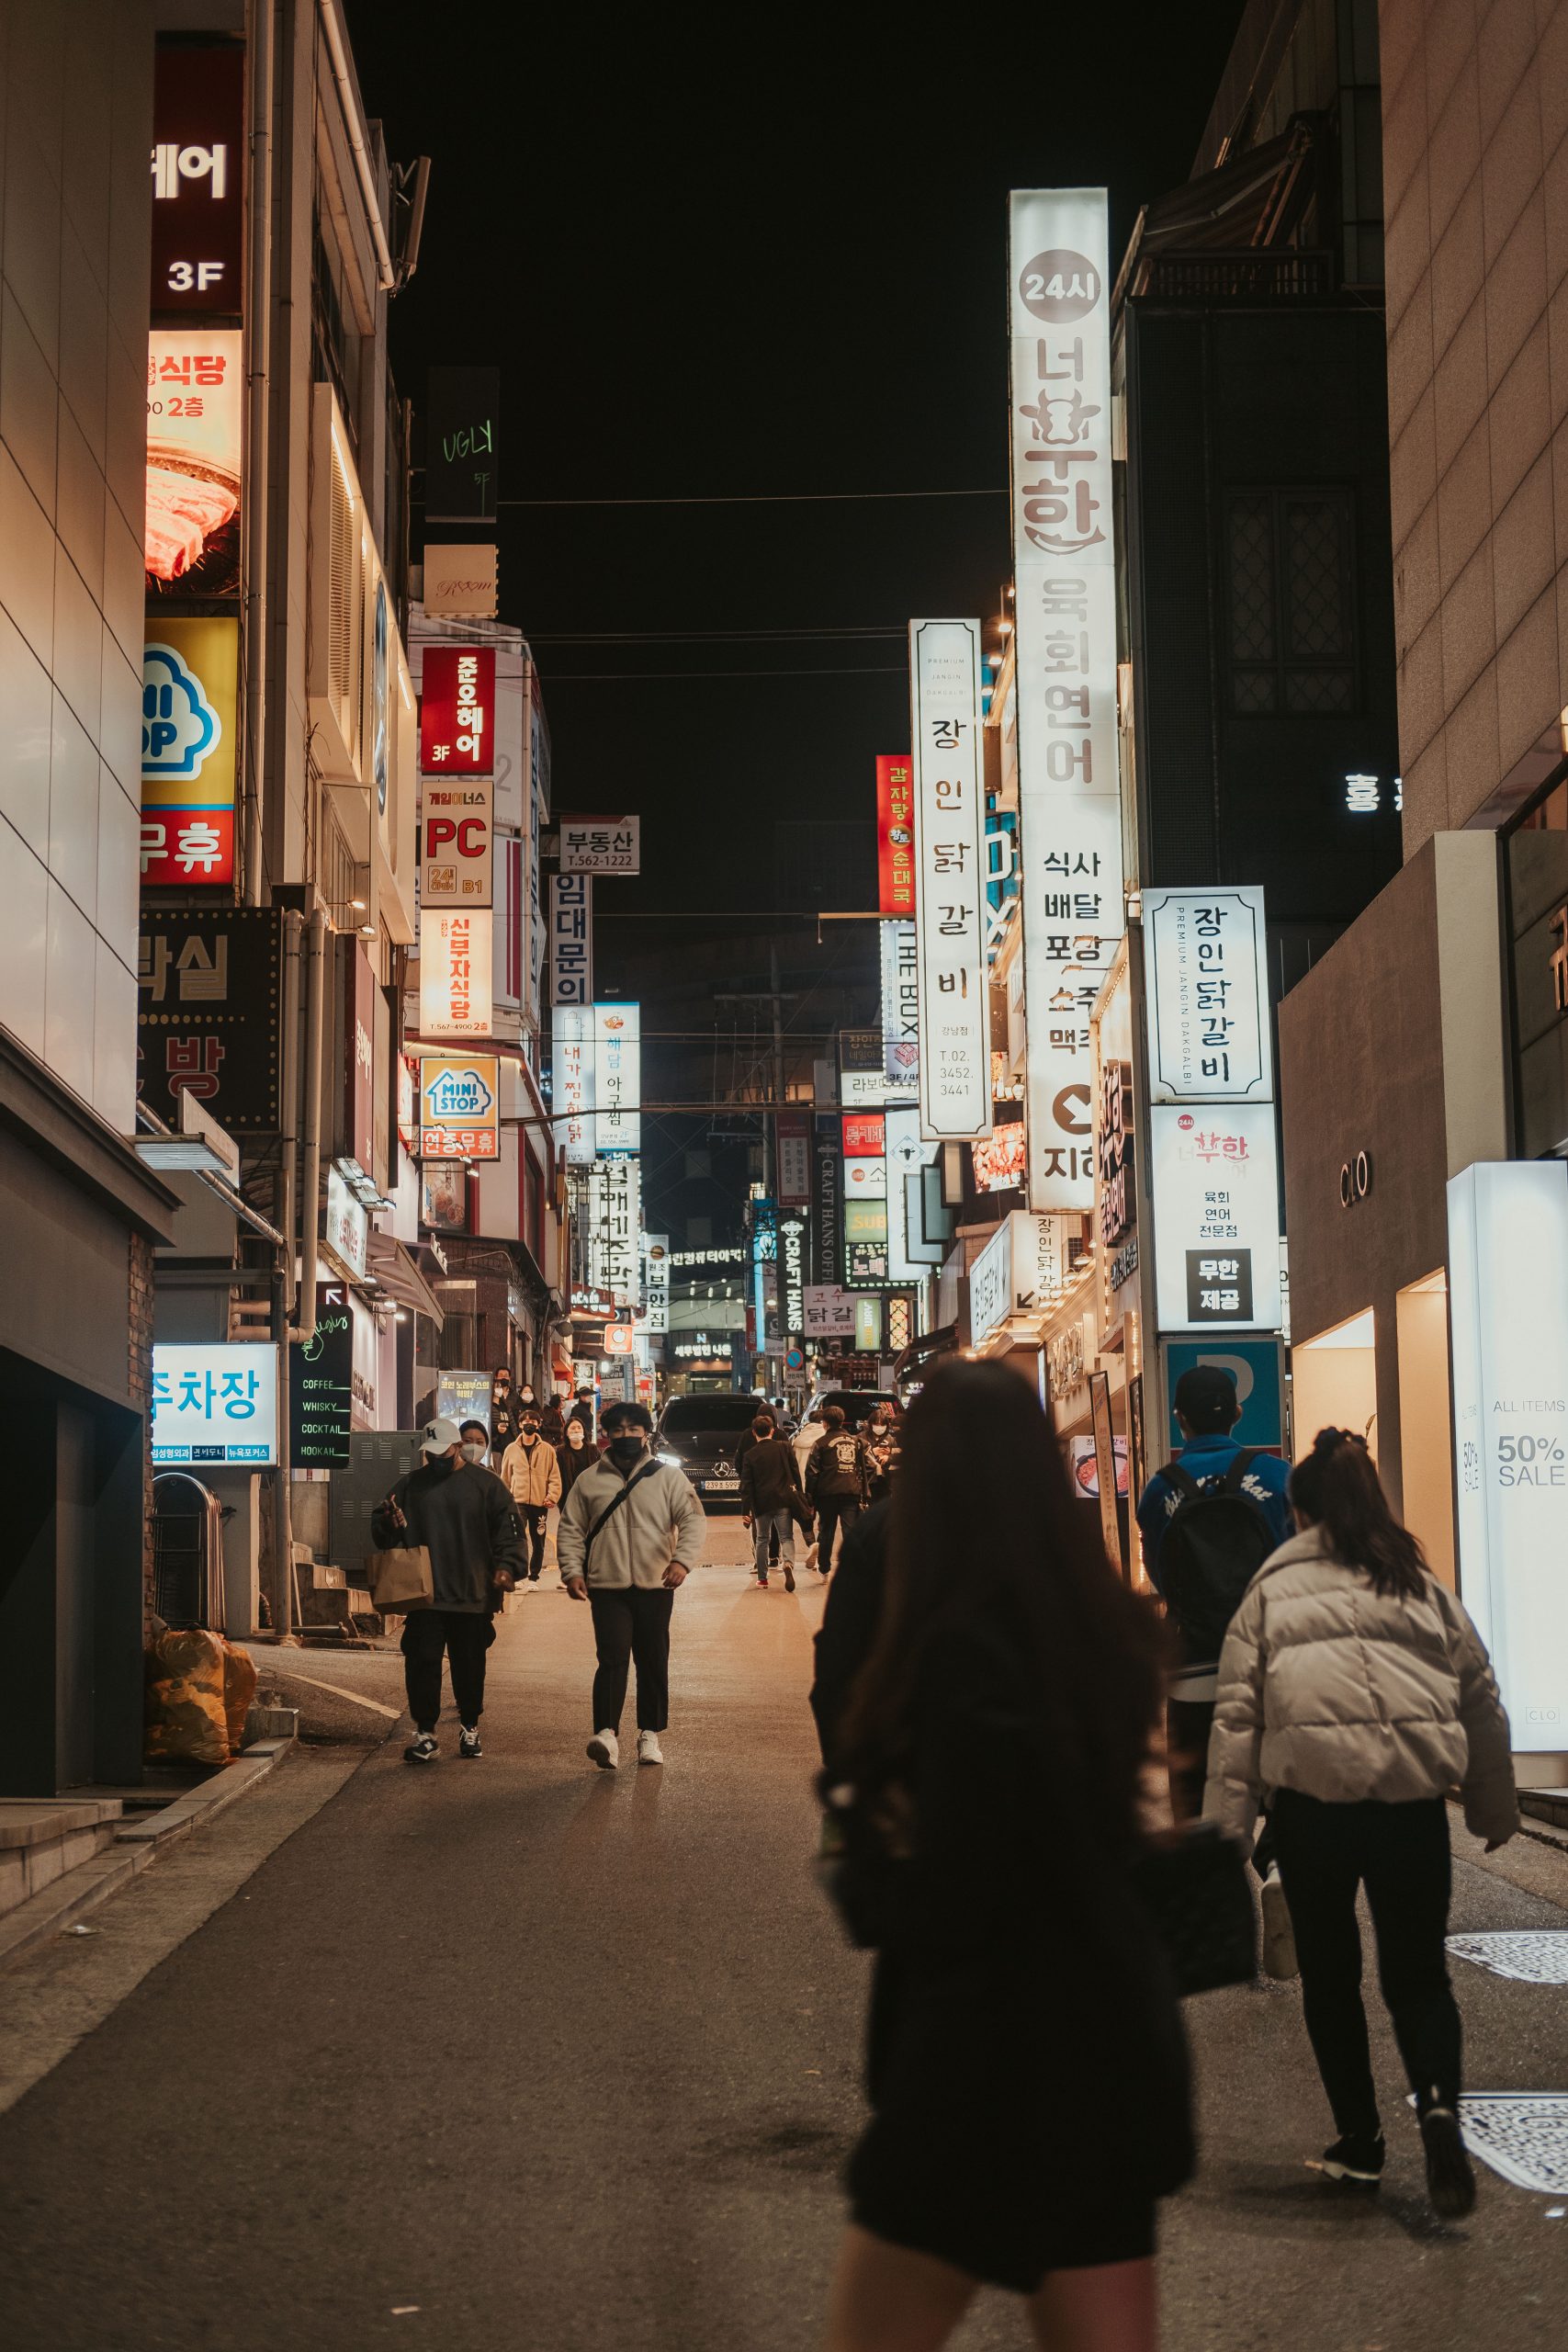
<point x="1214" y="1543"/>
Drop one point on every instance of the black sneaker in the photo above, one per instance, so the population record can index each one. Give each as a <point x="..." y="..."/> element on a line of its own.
<point x="468" y="1743"/>
<point x="1357" y="2160"/>
<point x="422" y="1749"/>
<point x="1450" y="2183"/>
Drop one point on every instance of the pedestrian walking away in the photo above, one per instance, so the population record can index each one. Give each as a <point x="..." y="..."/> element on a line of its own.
<point x="1029" y="2086"/>
<point x="747" y="1439"/>
<point x="838" y="1481"/>
<point x="1354" y="1693"/>
<point x="532" y="1475"/>
<point x="463" y="1516"/>
<point x="772" y="1498"/>
<point x="631" y="1532"/>
<point x="851" y="1616"/>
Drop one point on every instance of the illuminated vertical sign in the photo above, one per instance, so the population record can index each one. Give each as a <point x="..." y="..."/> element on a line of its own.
<point x="900" y="1010"/>
<point x="1064" y="572"/>
<point x="571" y="939"/>
<point x="572" y="1081"/>
<point x="617" y="1078"/>
<point x="456" y="710"/>
<point x="198" y="176"/>
<point x="454" y="997"/>
<point x="950" y="823"/>
<point x="895" y="833"/>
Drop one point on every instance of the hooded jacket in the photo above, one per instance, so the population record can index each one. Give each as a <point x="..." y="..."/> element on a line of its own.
<point x="464" y="1518"/>
<point x="530" y="1472"/>
<point x="661" y="1522"/>
<point x="1327" y="1688"/>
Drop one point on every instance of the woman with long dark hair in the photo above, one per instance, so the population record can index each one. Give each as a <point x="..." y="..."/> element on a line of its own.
<point x="1353" y="1687"/>
<point x="1026" y="2064"/>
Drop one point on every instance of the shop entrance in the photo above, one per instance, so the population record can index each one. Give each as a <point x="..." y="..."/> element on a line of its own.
<point x="1334" y="1380"/>
<point x="1426" y="1425"/>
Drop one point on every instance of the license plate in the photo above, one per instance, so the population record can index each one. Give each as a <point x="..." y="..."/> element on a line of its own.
<point x="724" y="1486"/>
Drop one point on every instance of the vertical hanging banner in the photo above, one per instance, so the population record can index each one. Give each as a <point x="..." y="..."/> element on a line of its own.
<point x="462" y="478"/>
<point x="656" y="1283"/>
<point x="454" y="997"/>
<point x="456" y="710"/>
<point x="950" y="858"/>
<point x="900" y="1010"/>
<point x="572" y="1081"/>
<point x="895" y="833"/>
<point x="1064" y="572"/>
<point x="793" y="1132"/>
<point x="457" y="842"/>
<point x="618" y="1079"/>
<point x="571" y="939"/>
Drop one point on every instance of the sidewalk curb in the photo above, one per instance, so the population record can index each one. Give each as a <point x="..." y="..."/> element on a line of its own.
<point x="59" y="1905"/>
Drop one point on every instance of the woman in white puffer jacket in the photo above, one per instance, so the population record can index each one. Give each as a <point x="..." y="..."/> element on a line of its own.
<point x="1354" y="1694"/>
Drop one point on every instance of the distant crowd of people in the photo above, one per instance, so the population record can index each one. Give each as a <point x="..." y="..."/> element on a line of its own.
<point x="989" y="1695"/>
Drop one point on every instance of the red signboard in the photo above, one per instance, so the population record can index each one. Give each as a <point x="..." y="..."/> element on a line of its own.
<point x="865" y="1135"/>
<point x="456" y="710"/>
<point x="199" y="177"/>
<point x="895" y="833"/>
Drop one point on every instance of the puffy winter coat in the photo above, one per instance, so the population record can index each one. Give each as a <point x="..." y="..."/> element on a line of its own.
<point x="1327" y="1688"/>
<point x="530" y="1472"/>
<point x="661" y="1522"/>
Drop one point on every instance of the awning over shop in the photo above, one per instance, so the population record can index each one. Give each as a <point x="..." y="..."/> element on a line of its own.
<point x="915" y="1361"/>
<point x="390" y="1265"/>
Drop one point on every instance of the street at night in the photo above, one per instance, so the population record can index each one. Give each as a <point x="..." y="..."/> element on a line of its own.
<point x="784" y="1179"/>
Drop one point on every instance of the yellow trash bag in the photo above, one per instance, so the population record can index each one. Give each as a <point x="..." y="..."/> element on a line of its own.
<point x="186" y="1719"/>
<point x="239" y="1689"/>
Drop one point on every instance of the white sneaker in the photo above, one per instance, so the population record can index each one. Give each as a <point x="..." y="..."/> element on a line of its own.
<point x="647" y="1748"/>
<point x="811" y="1555"/>
<point x="1279" y="1936"/>
<point x="606" y="1750"/>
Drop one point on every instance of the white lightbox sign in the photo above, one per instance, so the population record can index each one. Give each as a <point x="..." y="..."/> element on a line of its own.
<point x="950" y="860"/>
<point x="1021" y="1271"/>
<point x="900" y="948"/>
<point x="617" y="1078"/>
<point x="1064" y="620"/>
<point x="572" y="1081"/>
<point x="614" y="1228"/>
<point x="990" y="1285"/>
<point x="656" y="1283"/>
<point x="1206" y="956"/>
<point x="454" y="997"/>
<point x="1509" y="1314"/>
<point x="905" y="1156"/>
<point x="1214" y="1175"/>
<point x="215" y="1404"/>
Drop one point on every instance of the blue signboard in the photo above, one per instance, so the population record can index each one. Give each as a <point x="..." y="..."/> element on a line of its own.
<point x="1256" y="1367"/>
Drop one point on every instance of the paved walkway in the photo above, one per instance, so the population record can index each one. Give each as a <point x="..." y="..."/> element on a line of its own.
<point x="568" y="2062"/>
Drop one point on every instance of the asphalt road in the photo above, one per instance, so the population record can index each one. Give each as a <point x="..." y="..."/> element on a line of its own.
<point x="519" y="2054"/>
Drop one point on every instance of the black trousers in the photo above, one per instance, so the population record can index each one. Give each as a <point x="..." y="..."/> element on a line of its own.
<point x="464" y="1637"/>
<point x="833" y="1511"/>
<point x="632" y="1622"/>
<point x="1187" y="1726"/>
<point x="1400" y="1853"/>
<point x="533" y="1517"/>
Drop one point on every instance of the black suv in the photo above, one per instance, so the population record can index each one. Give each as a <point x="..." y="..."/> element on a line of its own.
<point x="699" y="1435"/>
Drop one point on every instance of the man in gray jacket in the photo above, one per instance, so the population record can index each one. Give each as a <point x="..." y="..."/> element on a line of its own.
<point x="630" y="1532"/>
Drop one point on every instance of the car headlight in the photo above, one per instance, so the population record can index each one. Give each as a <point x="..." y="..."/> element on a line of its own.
<point x="672" y="1459"/>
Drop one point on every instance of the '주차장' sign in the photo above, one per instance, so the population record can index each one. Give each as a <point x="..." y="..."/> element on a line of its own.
<point x="1205" y="958"/>
<point x="1065" y="640"/>
<point x="950" y="855"/>
<point x="215" y="1404"/>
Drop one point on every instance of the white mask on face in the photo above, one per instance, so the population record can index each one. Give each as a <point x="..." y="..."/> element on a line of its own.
<point x="473" y="1452"/>
<point x="574" y="1435"/>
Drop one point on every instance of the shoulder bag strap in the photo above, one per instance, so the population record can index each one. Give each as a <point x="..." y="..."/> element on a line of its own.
<point x="612" y="1507"/>
<point x="1240" y="1469"/>
<point x="1186" y="1484"/>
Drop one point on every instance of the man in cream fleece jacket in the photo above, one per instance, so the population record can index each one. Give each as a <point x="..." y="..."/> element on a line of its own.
<point x="629" y="1574"/>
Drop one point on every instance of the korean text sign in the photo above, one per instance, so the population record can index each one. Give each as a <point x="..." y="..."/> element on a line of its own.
<point x="198" y="176"/>
<point x="895" y="833"/>
<point x="1069" y="748"/>
<point x="1509" y="1314"/>
<point x="195" y="411"/>
<point x="950" y="851"/>
<point x="1215" y="1185"/>
<point x="617" y="1078"/>
<point x="215" y="1404"/>
<point x="571" y="939"/>
<point x="209" y="1014"/>
<point x="572" y="1079"/>
<point x="460" y="1106"/>
<point x="189" y="726"/>
<point x="457" y="842"/>
<point x="454" y="998"/>
<point x="600" y="844"/>
<point x="901" y="1008"/>
<point x="1206" y="956"/>
<point x="456" y="710"/>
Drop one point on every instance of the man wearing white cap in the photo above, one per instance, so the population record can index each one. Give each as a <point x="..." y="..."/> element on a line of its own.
<point x="468" y="1527"/>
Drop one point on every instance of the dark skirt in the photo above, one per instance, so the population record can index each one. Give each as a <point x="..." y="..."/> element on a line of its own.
<point x="1020" y="2125"/>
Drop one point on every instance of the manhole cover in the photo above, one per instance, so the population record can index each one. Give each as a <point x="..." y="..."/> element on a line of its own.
<point x="1523" y="2136"/>
<point x="1533" y="1956"/>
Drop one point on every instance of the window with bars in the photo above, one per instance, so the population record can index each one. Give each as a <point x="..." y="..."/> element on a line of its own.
<point x="1290" y="579"/>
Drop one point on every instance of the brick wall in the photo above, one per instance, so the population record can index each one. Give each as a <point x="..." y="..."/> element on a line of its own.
<point x="139" y="1321"/>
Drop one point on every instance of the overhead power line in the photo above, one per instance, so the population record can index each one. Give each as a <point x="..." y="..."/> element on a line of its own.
<point x="761" y="497"/>
<point x="640" y="677"/>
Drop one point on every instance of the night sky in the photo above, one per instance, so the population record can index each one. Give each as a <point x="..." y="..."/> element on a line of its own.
<point x="719" y="252"/>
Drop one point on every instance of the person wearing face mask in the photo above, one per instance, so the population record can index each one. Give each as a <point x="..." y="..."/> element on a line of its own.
<point x="468" y="1525"/>
<point x="882" y="1443"/>
<point x="531" y="1475"/>
<point x="631" y="1530"/>
<point x="573" y="1455"/>
<point x="476" y="1442"/>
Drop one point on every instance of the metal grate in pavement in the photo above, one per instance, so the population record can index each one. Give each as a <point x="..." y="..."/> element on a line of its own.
<point x="1523" y="2136"/>
<point x="1531" y="1955"/>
